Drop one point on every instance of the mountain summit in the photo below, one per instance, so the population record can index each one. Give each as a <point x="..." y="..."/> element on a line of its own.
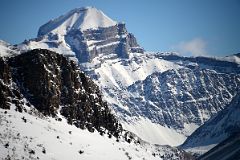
<point x="83" y="34"/>
<point x="77" y="19"/>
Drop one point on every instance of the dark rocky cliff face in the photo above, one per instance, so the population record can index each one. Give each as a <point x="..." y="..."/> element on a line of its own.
<point x="9" y="93"/>
<point x="53" y="84"/>
<point x="5" y="78"/>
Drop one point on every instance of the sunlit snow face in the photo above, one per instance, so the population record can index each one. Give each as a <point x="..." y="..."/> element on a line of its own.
<point x="77" y="19"/>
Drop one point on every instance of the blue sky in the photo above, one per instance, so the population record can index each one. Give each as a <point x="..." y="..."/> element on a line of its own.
<point x="192" y="27"/>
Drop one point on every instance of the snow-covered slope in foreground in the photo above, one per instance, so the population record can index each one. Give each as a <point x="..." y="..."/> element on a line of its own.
<point x="36" y="137"/>
<point x="155" y="133"/>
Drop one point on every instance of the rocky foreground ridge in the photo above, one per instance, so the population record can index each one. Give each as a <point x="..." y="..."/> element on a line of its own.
<point x="52" y="84"/>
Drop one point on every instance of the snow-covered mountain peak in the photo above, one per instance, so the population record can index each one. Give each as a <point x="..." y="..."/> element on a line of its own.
<point x="84" y="33"/>
<point x="77" y="19"/>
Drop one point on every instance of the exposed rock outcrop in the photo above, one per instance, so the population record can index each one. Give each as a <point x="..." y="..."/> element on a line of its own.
<point x="9" y="92"/>
<point x="51" y="83"/>
<point x="90" y="43"/>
